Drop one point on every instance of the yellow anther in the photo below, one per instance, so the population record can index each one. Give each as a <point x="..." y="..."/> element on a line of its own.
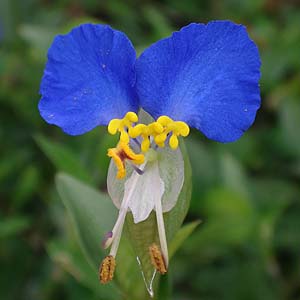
<point x="145" y="131"/>
<point x="183" y="128"/>
<point x="120" y="154"/>
<point x="159" y="139"/>
<point x="145" y="145"/>
<point x="151" y="129"/>
<point x="137" y="130"/>
<point x="176" y="128"/>
<point x="114" y="126"/>
<point x="173" y="142"/>
<point x="122" y="125"/>
<point x="131" y="117"/>
<point x="155" y="128"/>
<point x="159" y="131"/>
<point x="164" y="120"/>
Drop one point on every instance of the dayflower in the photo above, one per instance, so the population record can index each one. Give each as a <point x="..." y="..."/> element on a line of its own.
<point x="205" y="76"/>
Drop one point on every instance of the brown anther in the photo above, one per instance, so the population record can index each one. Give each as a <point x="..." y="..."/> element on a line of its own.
<point x="107" y="269"/>
<point x="157" y="259"/>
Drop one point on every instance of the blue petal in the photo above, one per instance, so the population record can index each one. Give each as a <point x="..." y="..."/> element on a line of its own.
<point x="204" y="75"/>
<point x="89" y="79"/>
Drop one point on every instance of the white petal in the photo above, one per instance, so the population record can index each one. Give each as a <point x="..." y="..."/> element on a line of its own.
<point x="171" y="172"/>
<point x="144" y="191"/>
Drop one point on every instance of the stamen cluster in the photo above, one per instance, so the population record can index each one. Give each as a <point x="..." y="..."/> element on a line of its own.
<point x="157" y="132"/>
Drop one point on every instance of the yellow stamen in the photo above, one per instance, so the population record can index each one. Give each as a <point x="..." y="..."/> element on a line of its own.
<point x="183" y="128"/>
<point x="178" y="128"/>
<point x="173" y="142"/>
<point x="120" y="154"/>
<point x="157" y="259"/>
<point x="164" y="120"/>
<point x="107" y="269"/>
<point x="155" y="128"/>
<point x="114" y="126"/>
<point x="123" y="126"/>
<point x="137" y="130"/>
<point x="159" y="130"/>
<point x="145" y="131"/>
<point x="160" y="138"/>
<point x="114" y="154"/>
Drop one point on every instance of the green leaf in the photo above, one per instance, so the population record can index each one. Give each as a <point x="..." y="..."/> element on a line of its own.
<point x="182" y="234"/>
<point x="232" y="175"/>
<point x="63" y="159"/>
<point x="141" y="236"/>
<point x="26" y="185"/>
<point x="13" y="226"/>
<point x="69" y="257"/>
<point x="39" y="37"/>
<point x="230" y="221"/>
<point x="93" y="214"/>
<point x="289" y="113"/>
<point x="159" y="23"/>
<point x="129" y="273"/>
<point x="7" y="19"/>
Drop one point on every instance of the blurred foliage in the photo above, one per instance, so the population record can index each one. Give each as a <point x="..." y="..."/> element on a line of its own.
<point x="246" y="193"/>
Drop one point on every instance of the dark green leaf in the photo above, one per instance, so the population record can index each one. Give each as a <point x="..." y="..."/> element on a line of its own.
<point x="93" y="214"/>
<point x="181" y="235"/>
<point x="13" y="226"/>
<point x="63" y="159"/>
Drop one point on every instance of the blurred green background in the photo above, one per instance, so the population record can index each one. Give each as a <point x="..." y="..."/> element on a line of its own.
<point x="246" y="193"/>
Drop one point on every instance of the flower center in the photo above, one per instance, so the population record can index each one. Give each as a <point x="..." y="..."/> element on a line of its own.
<point x="148" y="136"/>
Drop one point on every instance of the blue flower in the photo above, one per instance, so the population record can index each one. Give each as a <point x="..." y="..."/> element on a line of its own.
<point x="204" y="75"/>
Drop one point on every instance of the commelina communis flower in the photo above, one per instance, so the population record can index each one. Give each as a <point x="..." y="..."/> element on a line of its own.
<point x="205" y="76"/>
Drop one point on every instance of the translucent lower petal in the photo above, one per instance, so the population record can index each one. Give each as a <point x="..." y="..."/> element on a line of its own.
<point x="167" y="172"/>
